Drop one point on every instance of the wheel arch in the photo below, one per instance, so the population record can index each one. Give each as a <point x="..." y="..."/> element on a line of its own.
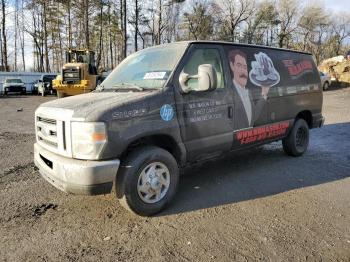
<point x="307" y="116"/>
<point x="163" y="141"/>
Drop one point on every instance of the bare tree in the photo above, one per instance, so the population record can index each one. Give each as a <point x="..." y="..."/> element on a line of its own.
<point x="262" y="24"/>
<point x="102" y="25"/>
<point x="199" y="22"/>
<point x="288" y="16"/>
<point x="312" y="17"/>
<point x="341" y="30"/>
<point x="234" y="13"/>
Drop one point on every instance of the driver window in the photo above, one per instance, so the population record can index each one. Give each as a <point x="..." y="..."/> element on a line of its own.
<point x="204" y="56"/>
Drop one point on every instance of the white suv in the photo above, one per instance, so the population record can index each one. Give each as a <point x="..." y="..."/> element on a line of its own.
<point x="14" y="85"/>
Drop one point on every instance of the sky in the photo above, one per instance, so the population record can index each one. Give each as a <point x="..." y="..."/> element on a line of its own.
<point x="338" y="5"/>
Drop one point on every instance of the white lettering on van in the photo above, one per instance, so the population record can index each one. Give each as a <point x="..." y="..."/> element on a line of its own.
<point x="204" y="110"/>
<point x="129" y="113"/>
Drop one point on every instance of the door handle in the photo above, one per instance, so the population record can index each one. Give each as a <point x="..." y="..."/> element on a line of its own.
<point x="230" y="112"/>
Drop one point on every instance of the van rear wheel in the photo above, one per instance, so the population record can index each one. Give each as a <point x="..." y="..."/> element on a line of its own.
<point x="147" y="180"/>
<point x="297" y="141"/>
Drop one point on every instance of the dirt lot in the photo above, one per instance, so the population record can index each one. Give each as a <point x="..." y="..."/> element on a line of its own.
<point x="258" y="205"/>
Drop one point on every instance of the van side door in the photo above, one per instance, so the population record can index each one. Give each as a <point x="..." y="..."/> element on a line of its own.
<point x="205" y="117"/>
<point x="255" y="76"/>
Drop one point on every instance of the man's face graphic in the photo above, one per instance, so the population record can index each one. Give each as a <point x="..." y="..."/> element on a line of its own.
<point x="240" y="70"/>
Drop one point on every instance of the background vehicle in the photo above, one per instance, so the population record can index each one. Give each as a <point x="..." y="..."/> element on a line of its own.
<point x="79" y="74"/>
<point x="45" y="85"/>
<point x="325" y="80"/>
<point x="34" y="88"/>
<point x="14" y="85"/>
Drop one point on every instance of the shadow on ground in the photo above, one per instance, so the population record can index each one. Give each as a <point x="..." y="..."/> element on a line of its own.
<point x="264" y="172"/>
<point x="337" y="86"/>
<point x="13" y="96"/>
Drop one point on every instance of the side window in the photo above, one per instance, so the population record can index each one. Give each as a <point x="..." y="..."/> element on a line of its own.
<point x="204" y="56"/>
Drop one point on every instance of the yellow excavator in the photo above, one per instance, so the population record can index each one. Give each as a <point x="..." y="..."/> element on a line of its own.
<point x="79" y="74"/>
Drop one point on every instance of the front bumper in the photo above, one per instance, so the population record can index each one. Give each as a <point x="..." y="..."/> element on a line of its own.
<point x="72" y="89"/>
<point x="14" y="89"/>
<point x="318" y="121"/>
<point x="76" y="176"/>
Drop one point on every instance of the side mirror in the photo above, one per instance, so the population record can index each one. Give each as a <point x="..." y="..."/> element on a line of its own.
<point x="207" y="79"/>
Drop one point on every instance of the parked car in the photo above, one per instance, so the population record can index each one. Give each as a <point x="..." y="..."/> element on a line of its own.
<point x="35" y="85"/>
<point x="13" y="85"/>
<point x="325" y="80"/>
<point x="45" y="85"/>
<point x="167" y="107"/>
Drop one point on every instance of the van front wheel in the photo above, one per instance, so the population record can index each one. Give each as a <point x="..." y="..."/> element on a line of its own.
<point x="147" y="180"/>
<point x="296" y="143"/>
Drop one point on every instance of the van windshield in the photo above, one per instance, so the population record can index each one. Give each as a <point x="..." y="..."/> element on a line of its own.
<point x="14" y="81"/>
<point x="146" y="69"/>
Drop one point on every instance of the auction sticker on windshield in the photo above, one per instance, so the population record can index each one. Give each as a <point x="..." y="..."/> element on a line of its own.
<point x="154" y="75"/>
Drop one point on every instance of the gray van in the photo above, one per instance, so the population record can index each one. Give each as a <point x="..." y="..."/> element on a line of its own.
<point x="167" y="107"/>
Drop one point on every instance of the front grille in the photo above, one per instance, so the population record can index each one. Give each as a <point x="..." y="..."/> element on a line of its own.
<point x="71" y="76"/>
<point x="47" y="131"/>
<point x="47" y="120"/>
<point x="52" y="130"/>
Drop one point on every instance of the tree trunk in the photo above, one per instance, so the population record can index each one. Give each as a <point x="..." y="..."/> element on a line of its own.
<point x="4" y="39"/>
<point x="125" y="29"/>
<point x="69" y="24"/>
<point x="136" y="23"/>
<point x="159" y="36"/>
<point x="60" y="62"/>
<point x="22" y="37"/>
<point x="110" y="36"/>
<point x="16" y="36"/>
<point x="100" y="37"/>
<point x="47" y="62"/>
<point x="86" y="16"/>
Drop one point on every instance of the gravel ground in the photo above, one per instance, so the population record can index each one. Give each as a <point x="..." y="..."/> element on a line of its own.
<point x="256" y="205"/>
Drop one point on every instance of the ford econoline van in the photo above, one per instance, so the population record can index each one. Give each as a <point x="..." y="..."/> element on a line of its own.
<point x="166" y="107"/>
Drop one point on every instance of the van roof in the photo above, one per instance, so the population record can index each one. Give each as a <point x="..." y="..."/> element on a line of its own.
<point x="240" y="44"/>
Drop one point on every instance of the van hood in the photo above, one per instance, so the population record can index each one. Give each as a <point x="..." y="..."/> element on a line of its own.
<point x="92" y="105"/>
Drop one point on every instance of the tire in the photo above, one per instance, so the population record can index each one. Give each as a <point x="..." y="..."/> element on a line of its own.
<point x="60" y="95"/>
<point x="133" y="173"/>
<point x="297" y="141"/>
<point x="325" y="86"/>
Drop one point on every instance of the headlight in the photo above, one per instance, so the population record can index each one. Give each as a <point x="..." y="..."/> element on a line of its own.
<point x="88" y="139"/>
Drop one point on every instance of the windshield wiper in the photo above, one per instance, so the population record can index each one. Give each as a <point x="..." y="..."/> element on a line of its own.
<point x="128" y="86"/>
